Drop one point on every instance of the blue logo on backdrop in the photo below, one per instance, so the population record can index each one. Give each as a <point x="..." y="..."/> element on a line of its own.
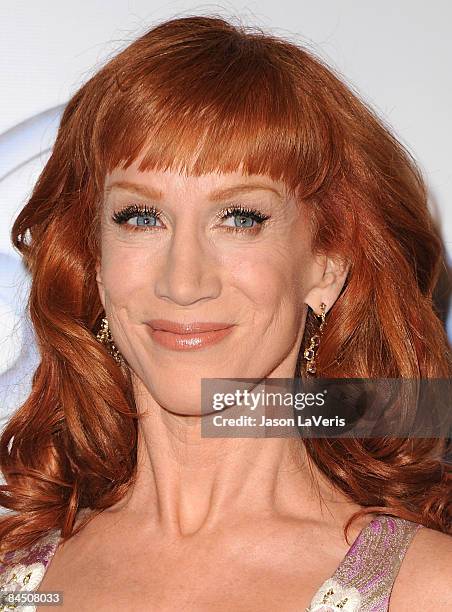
<point x="24" y="150"/>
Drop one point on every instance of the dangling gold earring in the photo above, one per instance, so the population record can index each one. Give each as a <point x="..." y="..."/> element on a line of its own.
<point x="309" y="353"/>
<point x="104" y="336"/>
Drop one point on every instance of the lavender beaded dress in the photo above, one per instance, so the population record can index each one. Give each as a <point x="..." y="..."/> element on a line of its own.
<point x="362" y="582"/>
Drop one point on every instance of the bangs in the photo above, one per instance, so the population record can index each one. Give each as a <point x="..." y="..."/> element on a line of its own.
<point x="217" y="102"/>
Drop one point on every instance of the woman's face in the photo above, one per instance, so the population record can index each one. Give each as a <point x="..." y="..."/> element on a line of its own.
<point x="178" y="254"/>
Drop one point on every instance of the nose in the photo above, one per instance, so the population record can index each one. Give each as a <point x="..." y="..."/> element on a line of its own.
<point x="189" y="273"/>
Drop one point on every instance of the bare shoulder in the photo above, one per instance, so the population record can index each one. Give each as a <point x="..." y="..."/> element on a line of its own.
<point x="424" y="579"/>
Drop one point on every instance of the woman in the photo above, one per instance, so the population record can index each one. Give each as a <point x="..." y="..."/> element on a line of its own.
<point x="214" y="195"/>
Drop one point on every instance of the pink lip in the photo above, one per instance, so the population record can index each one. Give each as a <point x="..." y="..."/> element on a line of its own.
<point x="186" y="328"/>
<point x="187" y="336"/>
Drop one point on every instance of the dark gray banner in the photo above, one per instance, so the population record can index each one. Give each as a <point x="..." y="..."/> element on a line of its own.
<point x="326" y="407"/>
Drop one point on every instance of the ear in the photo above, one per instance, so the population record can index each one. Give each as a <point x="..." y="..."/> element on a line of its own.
<point x="328" y="283"/>
<point x="100" y="284"/>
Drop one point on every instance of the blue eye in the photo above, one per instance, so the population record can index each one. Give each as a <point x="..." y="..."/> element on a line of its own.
<point x="243" y="221"/>
<point x="147" y="217"/>
<point x="243" y="217"/>
<point x="149" y="220"/>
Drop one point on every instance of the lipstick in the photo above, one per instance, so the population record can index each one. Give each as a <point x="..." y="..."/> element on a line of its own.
<point x="187" y="336"/>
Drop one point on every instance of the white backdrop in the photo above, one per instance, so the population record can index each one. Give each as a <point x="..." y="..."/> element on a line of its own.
<point x="396" y="54"/>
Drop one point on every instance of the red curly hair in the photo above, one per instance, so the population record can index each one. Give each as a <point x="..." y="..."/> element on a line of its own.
<point x="202" y="94"/>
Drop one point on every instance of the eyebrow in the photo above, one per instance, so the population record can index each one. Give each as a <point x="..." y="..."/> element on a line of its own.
<point x="214" y="196"/>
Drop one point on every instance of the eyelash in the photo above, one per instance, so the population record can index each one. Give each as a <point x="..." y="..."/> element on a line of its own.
<point x="134" y="210"/>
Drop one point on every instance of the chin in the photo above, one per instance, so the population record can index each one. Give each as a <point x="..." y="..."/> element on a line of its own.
<point x="176" y="394"/>
<point x="182" y="405"/>
<point x="188" y="376"/>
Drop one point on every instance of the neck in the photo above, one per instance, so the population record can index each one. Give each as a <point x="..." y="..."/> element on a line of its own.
<point x="188" y="484"/>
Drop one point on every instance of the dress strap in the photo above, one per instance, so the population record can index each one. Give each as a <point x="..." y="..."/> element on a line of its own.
<point x="24" y="568"/>
<point x="364" y="579"/>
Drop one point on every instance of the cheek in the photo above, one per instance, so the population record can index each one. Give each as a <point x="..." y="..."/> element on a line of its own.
<point x="124" y="272"/>
<point x="269" y="276"/>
